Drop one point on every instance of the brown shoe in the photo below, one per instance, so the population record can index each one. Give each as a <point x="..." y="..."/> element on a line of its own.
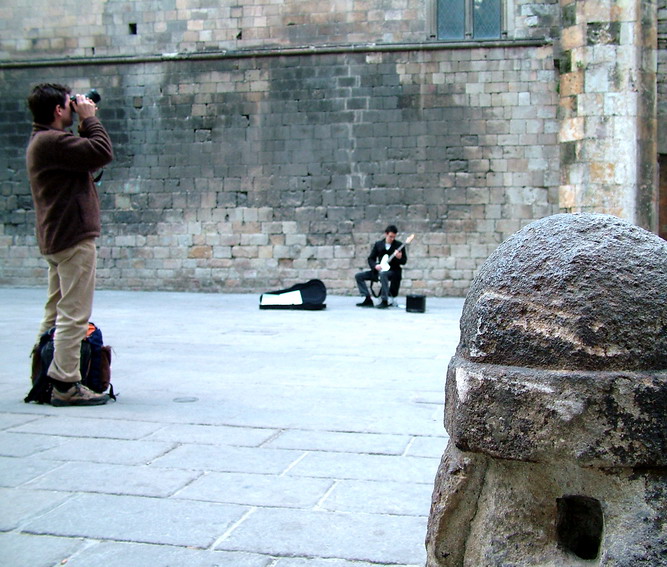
<point x="78" y="395"/>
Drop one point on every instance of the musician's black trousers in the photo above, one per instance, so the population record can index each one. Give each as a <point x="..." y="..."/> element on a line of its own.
<point x="387" y="281"/>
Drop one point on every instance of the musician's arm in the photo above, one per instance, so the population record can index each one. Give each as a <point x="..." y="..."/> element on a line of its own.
<point x="373" y="262"/>
<point x="402" y="256"/>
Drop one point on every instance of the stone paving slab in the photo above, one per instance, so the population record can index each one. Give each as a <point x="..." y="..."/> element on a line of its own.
<point x="114" y="479"/>
<point x="241" y="437"/>
<point x="21" y="550"/>
<point x="341" y="442"/>
<point x="112" y="451"/>
<point x="74" y="426"/>
<point x="211" y="435"/>
<point x="17" y="505"/>
<point x="227" y="459"/>
<point x="375" y="538"/>
<point x="140" y="519"/>
<point x="365" y="467"/>
<point x="257" y="490"/>
<point x="379" y="497"/>
<point x="118" y="554"/>
<point x="15" y="445"/>
<point x="15" y="472"/>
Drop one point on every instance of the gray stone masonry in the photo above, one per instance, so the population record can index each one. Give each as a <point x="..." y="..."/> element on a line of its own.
<point x="241" y="437"/>
<point x="249" y="174"/>
<point x="261" y="143"/>
<point x="148" y="27"/>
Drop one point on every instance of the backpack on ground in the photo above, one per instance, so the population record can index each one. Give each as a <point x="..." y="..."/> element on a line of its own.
<point x="95" y="365"/>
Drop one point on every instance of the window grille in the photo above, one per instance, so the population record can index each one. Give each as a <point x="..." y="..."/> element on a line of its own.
<point x="470" y="19"/>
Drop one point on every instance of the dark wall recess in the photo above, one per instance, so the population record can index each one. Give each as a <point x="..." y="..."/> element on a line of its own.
<point x="579" y="525"/>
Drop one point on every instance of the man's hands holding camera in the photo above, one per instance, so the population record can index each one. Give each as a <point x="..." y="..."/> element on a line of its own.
<point x="83" y="106"/>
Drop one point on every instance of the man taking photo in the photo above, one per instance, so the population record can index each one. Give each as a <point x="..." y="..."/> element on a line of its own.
<point x="60" y="169"/>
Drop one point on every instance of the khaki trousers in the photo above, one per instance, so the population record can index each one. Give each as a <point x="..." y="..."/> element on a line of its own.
<point x="69" y="305"/>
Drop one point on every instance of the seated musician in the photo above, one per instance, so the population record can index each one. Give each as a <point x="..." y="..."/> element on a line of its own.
<point x="388" y="274"/>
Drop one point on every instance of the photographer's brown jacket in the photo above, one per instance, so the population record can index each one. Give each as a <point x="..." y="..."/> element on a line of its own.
<point x="60" y="167"/>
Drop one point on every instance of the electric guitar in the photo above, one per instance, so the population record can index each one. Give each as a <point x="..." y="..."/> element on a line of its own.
<point x="384" y="263"/>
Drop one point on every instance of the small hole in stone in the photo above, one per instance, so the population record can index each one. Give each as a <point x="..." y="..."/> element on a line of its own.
<point x="579" y="525"/>
<point x="132" y="28"/>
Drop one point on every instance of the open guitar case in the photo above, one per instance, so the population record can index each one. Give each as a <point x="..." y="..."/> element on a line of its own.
<point x="309" y="296"/>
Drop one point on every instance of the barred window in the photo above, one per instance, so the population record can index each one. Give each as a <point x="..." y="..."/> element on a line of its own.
<point x="469" y="19"/>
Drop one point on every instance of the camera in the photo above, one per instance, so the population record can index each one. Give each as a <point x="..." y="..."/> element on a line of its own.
<point x="92" y="94"/>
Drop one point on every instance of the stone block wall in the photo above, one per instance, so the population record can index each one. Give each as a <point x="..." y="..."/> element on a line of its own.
<point x="662" y="76"/>
<point x="247" y="174"/>
<point x="258" y="145"/>
<point x="105" y="28"/>
<point x="608" y="107"/>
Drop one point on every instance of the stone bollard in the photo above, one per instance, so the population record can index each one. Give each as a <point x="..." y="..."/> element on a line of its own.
<point x="556" y="402"/>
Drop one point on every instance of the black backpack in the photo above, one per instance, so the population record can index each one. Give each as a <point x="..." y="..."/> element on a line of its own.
<point x="95" y="365"/>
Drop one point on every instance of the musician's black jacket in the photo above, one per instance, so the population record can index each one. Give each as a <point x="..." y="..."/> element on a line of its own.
<point x="378" y="251"/>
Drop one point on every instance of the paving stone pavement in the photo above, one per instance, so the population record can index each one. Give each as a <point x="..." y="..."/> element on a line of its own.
<point x="241" y="437"/>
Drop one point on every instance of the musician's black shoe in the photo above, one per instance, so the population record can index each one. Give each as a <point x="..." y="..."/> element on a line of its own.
<point x="383" y="305"/>
<point x="368" y="302"/>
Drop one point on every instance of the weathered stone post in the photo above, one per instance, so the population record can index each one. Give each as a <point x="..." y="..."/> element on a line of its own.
<point x="556" y="402"/>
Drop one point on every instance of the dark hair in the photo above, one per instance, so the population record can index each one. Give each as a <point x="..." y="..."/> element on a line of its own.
<point x="391" y="228"/>
<point x="43" y="100"/>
